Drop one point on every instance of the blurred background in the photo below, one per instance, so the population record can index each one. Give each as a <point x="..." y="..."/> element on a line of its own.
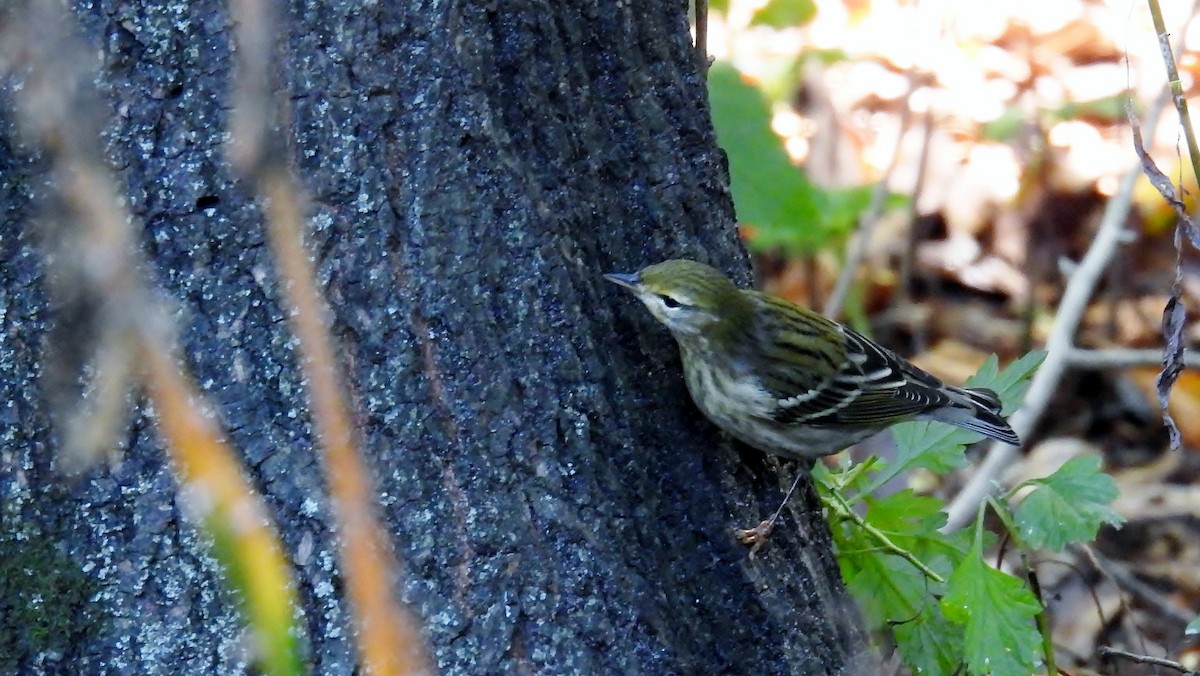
<point x="932" y="173"/>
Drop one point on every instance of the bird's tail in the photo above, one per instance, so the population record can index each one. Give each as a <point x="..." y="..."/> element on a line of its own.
<point x="977" y="409"/>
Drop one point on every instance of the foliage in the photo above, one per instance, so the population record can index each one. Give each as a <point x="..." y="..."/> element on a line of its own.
<point x="942" y="602"/>
<point x="778" y="206"/>
<point x="46" y="600"/>
<point x="776" y="13"/>
<point x="785" y="13"/>
<point x="947" y="608"/>
<point x="1068" y="505"/>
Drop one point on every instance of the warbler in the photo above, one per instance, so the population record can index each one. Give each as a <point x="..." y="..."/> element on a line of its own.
<point x="789" y="381"/>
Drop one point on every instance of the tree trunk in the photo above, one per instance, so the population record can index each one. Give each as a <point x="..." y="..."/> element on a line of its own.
<point x="558" y="503"/>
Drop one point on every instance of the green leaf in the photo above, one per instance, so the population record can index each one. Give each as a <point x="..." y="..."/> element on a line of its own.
<point x="996" y="611"/>
<point x="984" y="617"/>
<point x="929" y="644"/>
<point x="775" y="201"/>
<point x="887" y="588"/>
<point x="1012" y="383"/>
<point x="939" y="447"/>
<point x="1005" y="128"/>
<point x="1106" y="109"/>
<point x="1068" y="506"/>
<point x="785" y="13"/>
<point x="912" y="521"/>
<point x="844" y="206"/>
<point x="1193" y="627"/>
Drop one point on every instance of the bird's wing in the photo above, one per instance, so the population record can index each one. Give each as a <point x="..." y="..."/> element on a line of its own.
<point x="889" y="388"/>
<point x="843" y="379"/>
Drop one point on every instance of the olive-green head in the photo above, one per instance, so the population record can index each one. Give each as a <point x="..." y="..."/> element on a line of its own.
<point x="688" y="297"/>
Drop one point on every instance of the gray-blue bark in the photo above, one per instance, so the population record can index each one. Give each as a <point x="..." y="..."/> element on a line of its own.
<point x="558" y="503"/>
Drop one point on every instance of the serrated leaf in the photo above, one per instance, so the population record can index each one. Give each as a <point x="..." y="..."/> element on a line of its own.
<point x="891" y="592"/>
<point x="1012" y="383"/>
<point x="1068" y="506"/>
<point x="887" y="588"/>
<point x="929" y="644"/>
<point x="996" y="611"/>
<point x="912" y="521"/>
<point x="993" y="608"/>
<point x="939" y="447"/>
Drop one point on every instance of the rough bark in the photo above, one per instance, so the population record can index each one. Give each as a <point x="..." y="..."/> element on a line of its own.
<point x="473" y="167"/>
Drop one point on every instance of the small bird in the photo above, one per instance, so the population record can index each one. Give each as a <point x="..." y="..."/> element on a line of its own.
<point x="785" y="379"/>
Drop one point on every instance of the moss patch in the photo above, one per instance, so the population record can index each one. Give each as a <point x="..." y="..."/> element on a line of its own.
<point x="46" y="603"/>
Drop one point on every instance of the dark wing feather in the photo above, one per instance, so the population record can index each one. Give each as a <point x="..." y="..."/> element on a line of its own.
<point x="781" y="346"/>
<point x="891" y="389"/>
<point x="821" y="373"/>
<point x="843" y="379"/>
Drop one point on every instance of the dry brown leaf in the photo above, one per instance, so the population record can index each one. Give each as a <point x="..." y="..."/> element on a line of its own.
<point x="1078" y="622"/>
<point x="1154" y="502"/>
<point x="951" y="360"/>
<point x="1135" y="321"/>
<point x="803" y="280"/>
<point x="1185" y="400"/>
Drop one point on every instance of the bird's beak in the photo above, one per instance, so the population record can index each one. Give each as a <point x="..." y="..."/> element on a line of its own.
<point x="629" y="281"/>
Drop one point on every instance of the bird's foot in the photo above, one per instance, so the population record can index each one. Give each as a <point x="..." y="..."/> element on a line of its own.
<point x="756" y="537"/>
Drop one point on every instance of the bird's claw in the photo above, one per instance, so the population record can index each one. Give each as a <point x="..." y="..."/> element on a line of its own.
<point x="755" y="537"/>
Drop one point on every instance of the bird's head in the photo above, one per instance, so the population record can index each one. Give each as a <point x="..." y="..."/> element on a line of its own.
<point x="688" y="297"/>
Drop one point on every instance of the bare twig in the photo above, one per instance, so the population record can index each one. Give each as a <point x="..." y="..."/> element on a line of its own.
<point x="1127" y="581"/>
<point x="701" y="7"/>
<point x="1175" y="312"/>
<point x="1059" y="346"/>
<point x="232" y="512"/>
<point x="859" y="243"/>
<point x="908" y="263"/>
<point x="1106" y="651"/>
<point x="1119" y="357"/>
<point x="862" y="238"/>
<point x="1175" y="85"/>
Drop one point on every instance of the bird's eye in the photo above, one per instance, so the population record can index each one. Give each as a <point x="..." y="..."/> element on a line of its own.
<point x="670" y="302"/>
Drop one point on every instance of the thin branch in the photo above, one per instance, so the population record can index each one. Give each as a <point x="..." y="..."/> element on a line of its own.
<point x="1059" y="346"/>
<point x="1106" y="651"/>
<point x="908" y="264"/>
<point x="1175" y="312"/>
<point x="1175" y="85"/>
<point x="862" y="238"/>
<point x="1126" y="580"/>
<point x="1119" y="357"/>
<point x="1042" y="619"/>
<point x="834" y="501"/>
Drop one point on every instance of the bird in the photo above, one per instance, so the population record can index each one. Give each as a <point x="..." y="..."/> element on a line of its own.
<point x="787" y="380"/>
